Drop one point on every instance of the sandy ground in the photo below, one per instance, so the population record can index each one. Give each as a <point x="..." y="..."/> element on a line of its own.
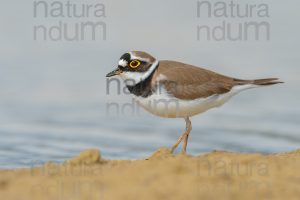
<point x="216" y="175"/>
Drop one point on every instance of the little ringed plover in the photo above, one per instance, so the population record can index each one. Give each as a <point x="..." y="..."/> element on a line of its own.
<point x="176" y="90"/>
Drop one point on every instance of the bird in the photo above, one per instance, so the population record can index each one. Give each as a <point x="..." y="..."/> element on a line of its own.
<point x="173" y="89"/>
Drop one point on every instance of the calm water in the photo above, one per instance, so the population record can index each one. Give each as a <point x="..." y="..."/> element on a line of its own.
<point x="53" y="96"/>
<point x="34" y="133"/>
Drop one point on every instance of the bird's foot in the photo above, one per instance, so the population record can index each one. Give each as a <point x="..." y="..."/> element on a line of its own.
<point x="173" y="149"/>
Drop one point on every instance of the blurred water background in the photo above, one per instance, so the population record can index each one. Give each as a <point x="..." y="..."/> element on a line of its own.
<point x="53" y="100"/>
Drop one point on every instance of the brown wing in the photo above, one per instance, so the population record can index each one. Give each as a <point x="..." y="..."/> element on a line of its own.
<point x="189" y="82"/>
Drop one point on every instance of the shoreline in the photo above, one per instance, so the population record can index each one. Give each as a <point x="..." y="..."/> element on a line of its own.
<point x="215" y="175"/>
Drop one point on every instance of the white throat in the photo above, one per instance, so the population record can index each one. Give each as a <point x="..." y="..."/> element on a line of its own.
<point x="133" y="78"/>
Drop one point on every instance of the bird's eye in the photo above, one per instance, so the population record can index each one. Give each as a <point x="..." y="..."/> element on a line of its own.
<point x="134" y="64"/>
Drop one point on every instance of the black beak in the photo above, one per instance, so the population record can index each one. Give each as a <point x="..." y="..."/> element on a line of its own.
<point x="113" y="73"/>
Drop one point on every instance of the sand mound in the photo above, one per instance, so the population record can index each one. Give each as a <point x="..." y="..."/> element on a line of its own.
<point x="88" y="157"/>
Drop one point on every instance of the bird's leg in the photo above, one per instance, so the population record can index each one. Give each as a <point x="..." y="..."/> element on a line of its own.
<point x="188" y="130"/>
<point x="184" y="136"/>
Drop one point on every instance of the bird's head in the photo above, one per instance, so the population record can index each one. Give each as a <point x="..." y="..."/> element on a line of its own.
<point x="134" y="67"/>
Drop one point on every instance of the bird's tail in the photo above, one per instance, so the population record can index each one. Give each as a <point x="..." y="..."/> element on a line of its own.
<point x="259" y="82"/>
<point x="266" y="81"/>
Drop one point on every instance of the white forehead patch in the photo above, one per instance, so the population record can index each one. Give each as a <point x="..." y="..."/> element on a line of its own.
<point x="123" y="63"/>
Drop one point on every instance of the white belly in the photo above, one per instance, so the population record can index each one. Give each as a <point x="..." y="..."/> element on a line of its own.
<point x="165" y="105"/>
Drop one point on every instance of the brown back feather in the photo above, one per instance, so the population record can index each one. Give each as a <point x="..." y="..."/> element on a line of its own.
<point x="188" y="82"/>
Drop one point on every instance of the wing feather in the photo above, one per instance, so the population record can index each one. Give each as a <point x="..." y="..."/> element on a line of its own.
<point x="188" y="82"/>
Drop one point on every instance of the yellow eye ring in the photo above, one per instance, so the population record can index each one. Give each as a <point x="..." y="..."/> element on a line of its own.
<point x="134" y="64"/>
